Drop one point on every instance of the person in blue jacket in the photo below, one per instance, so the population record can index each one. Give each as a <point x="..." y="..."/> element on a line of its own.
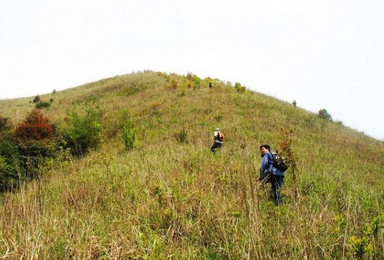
<point x="270" y="174"/>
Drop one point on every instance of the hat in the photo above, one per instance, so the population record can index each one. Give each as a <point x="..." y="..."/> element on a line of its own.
<point x="217" y="129"/>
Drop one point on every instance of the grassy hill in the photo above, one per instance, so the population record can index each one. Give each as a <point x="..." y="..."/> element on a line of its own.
<point x="169" y="197"/>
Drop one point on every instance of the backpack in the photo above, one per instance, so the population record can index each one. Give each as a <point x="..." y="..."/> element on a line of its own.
<point x="220" y="136"/>
<point x="278" y="162"/>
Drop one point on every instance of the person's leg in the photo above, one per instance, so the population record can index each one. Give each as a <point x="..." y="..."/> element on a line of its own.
<point x="214" y="146"/>
<point x="276" y="184"/>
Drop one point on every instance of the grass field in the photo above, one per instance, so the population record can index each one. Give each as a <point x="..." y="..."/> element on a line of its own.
<point x="169" y="197"/>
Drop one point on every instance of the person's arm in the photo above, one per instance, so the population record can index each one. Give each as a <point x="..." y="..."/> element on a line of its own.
<point x="264" y="165"/>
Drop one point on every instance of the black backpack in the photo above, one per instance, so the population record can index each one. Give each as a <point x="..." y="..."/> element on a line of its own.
<point x="278" y="162"/>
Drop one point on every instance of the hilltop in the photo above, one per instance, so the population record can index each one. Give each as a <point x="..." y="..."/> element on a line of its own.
<point x="164" y="195"/>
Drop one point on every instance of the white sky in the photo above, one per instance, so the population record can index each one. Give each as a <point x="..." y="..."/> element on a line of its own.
<point x="322" y="53"/>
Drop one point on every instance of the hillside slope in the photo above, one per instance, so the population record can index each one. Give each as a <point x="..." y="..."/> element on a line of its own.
<point x="169" y="197"/>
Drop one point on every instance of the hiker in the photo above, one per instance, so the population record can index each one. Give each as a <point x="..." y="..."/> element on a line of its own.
<point x="218" y="138"/>
<point x="270" y="174"/>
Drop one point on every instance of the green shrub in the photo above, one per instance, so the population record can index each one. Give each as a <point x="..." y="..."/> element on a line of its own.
<point x="129" y="136"/>
<point x="33" y="137"/>
<point x="42" y="104"/>
<point x="10" y="168"/>
<point x="83" y="132"/>
<point x="360" y="247"/>
<point x="323" y="113"/>
<point x="196" y="80"/>
<point x="239" y="88"/>
<point x="4" y="124"/>
<point x="193" y="80"/>
<point x="363" y="246"/>
<point x="129" y="131"/>
<point x="36" y="99"/>
<point x="24" y="150"/>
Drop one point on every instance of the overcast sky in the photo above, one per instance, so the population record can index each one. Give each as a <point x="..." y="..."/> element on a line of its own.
<point x="322" y="53"/>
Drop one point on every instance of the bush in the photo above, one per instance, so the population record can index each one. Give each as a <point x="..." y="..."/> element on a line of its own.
<point x="22" y="152"/>
<point x="42" y="104"/>
<point x="35" y="127"/>
<point x="129" y="136"/>
<point x="129" y="132"/>
<point x="193" y="80"/>
<point x="36" y="99"/>
<point x="323" y="113"/>
<point x="83" y="132"/>
<point x="239" y="88"/>
<point x="33" y="138"/>
<point x="4" y="124"/>
<point x="10" y="167"/>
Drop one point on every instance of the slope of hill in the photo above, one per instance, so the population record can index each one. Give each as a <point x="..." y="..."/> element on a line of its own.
<point x="169" y="197"/>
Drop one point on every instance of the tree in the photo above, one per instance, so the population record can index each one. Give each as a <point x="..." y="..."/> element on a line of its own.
<point x="323" y="113"/>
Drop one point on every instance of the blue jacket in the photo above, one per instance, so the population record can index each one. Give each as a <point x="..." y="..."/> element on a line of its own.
<point x="267" y="164"/>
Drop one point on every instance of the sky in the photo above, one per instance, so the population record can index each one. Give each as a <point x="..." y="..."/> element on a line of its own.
<point x="325" y="54"/>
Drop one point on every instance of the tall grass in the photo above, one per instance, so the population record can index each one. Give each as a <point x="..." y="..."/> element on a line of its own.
<point x="172" y="198"/>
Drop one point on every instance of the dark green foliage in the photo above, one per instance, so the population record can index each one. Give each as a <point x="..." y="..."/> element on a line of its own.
<point x="8" y="157"/>
<point x="22" y="152"/>
<point x="31" y="157"/>
<point x="4" y="124"/>
<point x="83" y="132"/>
<point x="43" y="104"/>
<point x="10" y="169"/>
<point x="36" y="99"/>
